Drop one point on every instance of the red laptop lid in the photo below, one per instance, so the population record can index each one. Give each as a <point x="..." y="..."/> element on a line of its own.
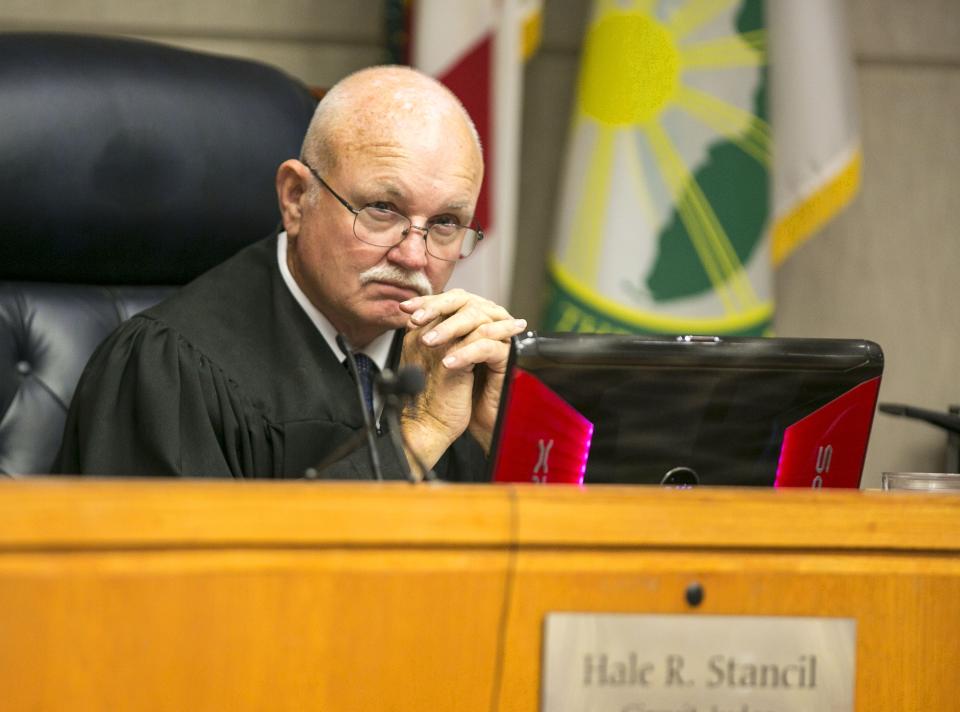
<point x="544" y="439"/>
<point x="827" y="448"/>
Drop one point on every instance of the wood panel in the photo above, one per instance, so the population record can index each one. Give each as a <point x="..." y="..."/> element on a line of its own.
<point x="248" y="630"/>
<point x="907" y="609"/>
<point x="76" y="513"/>
<point x="724" y="518"/>
<point x="164" y="595"/>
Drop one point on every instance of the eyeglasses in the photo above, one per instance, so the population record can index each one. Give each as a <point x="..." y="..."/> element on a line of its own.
<point x="383" y="227"/>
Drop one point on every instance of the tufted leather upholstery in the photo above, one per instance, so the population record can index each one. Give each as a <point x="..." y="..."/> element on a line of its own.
<point x="47" y="332"/>
<point x="125" y="164"/>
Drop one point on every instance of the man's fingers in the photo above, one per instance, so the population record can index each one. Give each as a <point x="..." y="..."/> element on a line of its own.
<point x="425" y="309"/>
<point x="450" y="300"/>
<point x="422" y="310"/>
<point x="497" y="330"/>
<point x="472" y="320"/>
<point x="485" y="351"/>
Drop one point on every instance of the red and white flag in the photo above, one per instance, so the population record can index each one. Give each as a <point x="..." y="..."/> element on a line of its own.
<point x="477" y="48"/>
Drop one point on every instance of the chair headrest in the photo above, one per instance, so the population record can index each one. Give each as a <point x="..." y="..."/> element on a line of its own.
<point x="130" y="162"/>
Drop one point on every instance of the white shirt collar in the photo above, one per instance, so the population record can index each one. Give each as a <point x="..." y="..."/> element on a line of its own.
<point x="378" y="349"/>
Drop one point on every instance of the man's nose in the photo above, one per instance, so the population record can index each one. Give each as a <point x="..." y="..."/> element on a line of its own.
<point x="411" y="253"/>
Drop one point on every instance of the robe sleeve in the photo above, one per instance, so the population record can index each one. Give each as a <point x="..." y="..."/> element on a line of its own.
<point x="149" y="404"/>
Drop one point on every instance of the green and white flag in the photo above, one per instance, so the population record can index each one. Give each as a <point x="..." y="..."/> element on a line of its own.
<point x="666" y="216"/>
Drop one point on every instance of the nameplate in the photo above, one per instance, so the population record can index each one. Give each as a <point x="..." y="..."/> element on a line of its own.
<point x="693" y="663"/>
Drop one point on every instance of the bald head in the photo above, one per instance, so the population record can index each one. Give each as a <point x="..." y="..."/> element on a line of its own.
<point x="392" y="140"/>
<point x="380" y="105"/>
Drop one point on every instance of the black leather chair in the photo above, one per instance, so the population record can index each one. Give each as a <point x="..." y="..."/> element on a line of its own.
<point x="124" y="165"/>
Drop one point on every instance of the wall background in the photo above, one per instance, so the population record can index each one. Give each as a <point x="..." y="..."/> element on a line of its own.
<point x="888" y="269"/>
<point x="318" y="41"/>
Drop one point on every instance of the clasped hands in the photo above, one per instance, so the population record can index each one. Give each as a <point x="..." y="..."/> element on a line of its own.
<point x="461" y="342"/>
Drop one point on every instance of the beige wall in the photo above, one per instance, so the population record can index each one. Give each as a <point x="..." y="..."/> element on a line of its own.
<point x="886" y="270"/>
<point x="318" y="41"/>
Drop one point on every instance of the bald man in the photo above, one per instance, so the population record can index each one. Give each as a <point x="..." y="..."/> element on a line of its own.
<point x="241" y="375"/>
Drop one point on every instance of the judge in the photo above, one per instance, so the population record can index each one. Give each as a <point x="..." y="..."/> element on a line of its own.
<point x="240" y="374"/>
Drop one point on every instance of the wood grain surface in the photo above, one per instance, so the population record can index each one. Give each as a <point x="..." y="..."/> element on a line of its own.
<point x="161" y="595"/>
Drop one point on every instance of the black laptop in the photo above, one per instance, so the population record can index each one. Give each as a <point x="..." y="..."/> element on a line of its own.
<point x="605" y="408"/>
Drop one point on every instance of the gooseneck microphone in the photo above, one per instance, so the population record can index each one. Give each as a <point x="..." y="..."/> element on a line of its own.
<point x="367" y="415"/>
<point x="396" y="389"/>
<point x="949" y="422"/>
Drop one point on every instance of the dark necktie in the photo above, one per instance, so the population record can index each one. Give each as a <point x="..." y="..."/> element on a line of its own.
<point x="367" y="371"/>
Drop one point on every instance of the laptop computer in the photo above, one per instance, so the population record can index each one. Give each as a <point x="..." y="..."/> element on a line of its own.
<point x="607" y="408"/>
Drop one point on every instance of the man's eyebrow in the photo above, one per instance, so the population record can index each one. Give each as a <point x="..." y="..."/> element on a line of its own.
<point x="393" y="191"/>
<point x="389" y="190"/>
<point x="456" y="207"/>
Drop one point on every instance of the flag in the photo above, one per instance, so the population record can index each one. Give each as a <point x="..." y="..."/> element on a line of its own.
<point x="815" y="119"/>
<point x="677" y="191"/>
<point x="477" y="48"/>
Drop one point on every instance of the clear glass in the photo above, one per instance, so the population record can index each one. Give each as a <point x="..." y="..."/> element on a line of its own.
<point x="921" y="481"/>
<point x="386" y="228"/>
<point x="383" y="227"/>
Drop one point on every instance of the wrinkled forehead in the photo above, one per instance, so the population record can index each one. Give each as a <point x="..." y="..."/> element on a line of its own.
<point x="404" y="130"/>
<point x="425" y="134"/>
<point x="411" y="112"/>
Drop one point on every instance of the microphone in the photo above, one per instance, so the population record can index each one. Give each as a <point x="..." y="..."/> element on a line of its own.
<point x="948" y="422"/>
<point x="395" y="389"/>
<point x="405" y="383"/>
<point x="367" y="418"/>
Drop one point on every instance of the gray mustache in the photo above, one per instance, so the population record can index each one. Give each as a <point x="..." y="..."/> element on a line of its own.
<point x="416" y="281"/>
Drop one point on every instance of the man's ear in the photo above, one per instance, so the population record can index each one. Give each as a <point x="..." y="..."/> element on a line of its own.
<point x="292" y="177"/>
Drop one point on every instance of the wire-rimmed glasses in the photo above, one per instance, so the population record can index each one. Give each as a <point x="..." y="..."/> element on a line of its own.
<point x="383" y="227"/>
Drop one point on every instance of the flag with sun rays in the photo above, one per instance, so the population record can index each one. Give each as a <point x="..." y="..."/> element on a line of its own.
<point x="666" y="210"/>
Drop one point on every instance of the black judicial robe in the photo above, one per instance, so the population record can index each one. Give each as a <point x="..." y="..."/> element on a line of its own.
<point x="227" y="378"/>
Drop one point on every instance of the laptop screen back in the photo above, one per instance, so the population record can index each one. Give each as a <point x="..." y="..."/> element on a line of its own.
<point x="649" y="410"/>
